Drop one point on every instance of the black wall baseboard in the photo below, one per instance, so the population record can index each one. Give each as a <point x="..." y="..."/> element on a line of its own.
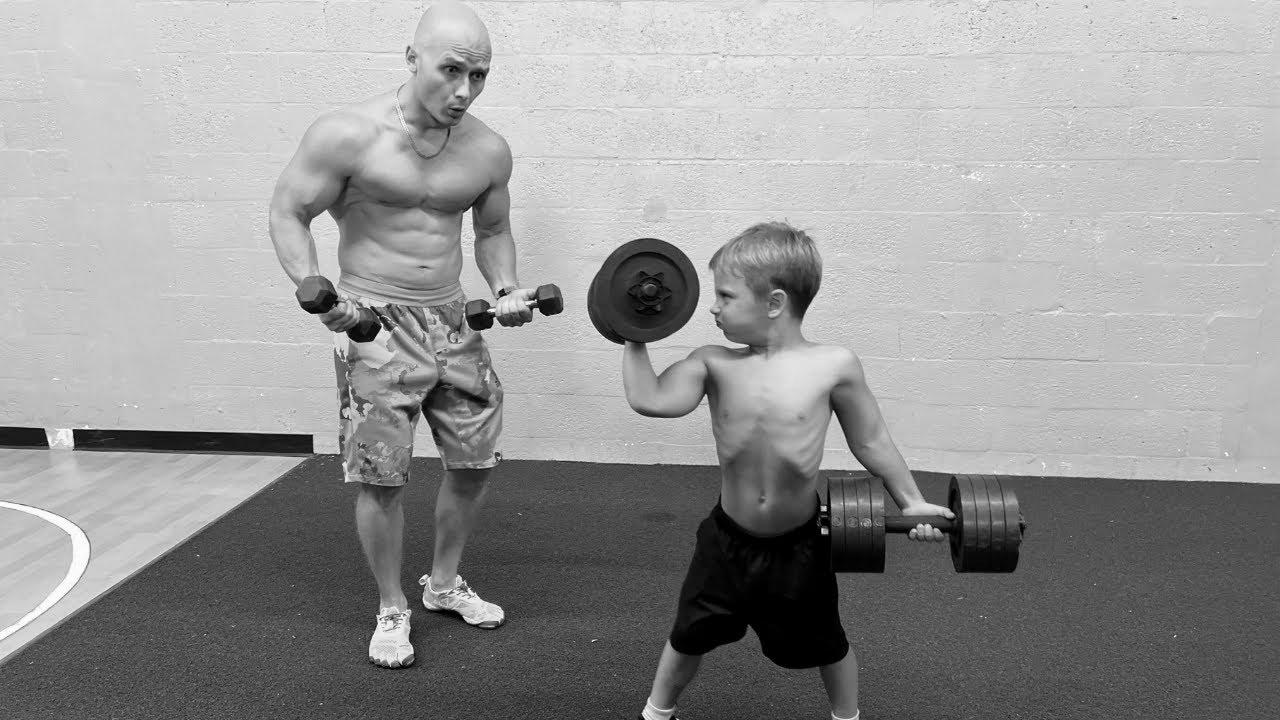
<point x="23" y="437"/>
<point x="167" y="441"/>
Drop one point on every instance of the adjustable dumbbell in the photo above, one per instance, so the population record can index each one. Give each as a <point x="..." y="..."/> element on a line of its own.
<point x="985" y="535"/>
<point x="546" y="299"/>
<point x="316" y="295"/>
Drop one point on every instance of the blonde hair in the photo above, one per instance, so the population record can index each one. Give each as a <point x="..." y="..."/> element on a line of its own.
<point x="774" y="255"/>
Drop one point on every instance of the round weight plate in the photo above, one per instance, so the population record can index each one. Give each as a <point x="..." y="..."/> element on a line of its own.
<point x="960" y="500"/>
<point x="877" y="523"/>
<point x="835" y="509"/>
<point x="982" y="543"/>
<point x="598" y="318"/>
<point x="859" y="521"/>
<point x="1007" y="561"/>
<point x="994" y="556"/>
<point x="646" y="290"/>
<point x="953" y="537"/>
<point x="871" y="537"/>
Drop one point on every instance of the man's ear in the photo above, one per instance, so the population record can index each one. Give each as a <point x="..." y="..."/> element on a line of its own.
<point x="778" y="302"/>
<point x="411" y="58"/>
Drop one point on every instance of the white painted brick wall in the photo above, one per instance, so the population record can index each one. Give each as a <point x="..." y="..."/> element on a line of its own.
<point x="1049" y="228"/>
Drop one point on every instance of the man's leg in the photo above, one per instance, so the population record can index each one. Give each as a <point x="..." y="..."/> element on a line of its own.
<point x="378" y="413"/>
<point x="458" y="503"/>
<point x="380" y="524"/>
<point x="465" y="415"/>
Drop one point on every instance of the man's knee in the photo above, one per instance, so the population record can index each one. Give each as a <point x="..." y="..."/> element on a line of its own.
<point x="386" y="497"/>
<point x="468" y="482"/>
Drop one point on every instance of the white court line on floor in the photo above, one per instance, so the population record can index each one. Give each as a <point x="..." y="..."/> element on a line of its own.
<point x="80" y="551"/>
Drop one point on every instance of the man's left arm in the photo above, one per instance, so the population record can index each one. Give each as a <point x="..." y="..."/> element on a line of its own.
<point x="495" y="247"/>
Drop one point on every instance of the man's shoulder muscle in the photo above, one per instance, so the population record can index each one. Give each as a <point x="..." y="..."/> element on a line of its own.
<point x="342" y="134"/>
<point x="488" y="144"/>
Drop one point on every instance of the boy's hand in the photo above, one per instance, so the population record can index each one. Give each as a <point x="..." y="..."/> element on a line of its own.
<point x="924" y="531"/>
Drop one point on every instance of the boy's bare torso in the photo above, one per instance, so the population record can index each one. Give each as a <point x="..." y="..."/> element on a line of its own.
<point x="399" y="216"/>
<point x="770" y="417"/>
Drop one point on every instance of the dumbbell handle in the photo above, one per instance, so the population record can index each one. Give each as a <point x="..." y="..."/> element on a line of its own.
<point x="907" y="523"/>
<point x="532" y="303"/>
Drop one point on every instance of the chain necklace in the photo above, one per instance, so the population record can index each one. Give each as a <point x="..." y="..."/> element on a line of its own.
<point x="400" y="114"/>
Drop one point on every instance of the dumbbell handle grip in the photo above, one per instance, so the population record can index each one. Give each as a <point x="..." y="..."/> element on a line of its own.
<point x="533" y="303"/>
<point x="367" y="323"/>
<point x="907" y="523"/>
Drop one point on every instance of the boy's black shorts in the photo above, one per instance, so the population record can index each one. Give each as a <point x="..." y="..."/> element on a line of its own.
<point x="781" y="586"/>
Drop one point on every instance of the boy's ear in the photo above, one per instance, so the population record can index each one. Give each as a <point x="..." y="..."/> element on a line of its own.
<point x="778" y="302"/>
<point x="411" y="58"/>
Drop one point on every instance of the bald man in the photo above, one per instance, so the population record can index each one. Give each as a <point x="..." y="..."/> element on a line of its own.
<point x="396" y="172"/>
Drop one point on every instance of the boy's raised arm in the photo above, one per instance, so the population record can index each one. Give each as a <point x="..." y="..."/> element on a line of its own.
<point x="677" y="392"/>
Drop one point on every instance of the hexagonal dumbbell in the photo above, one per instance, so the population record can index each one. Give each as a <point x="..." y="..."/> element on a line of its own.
<point x="546" y="299"/>
<point x="316" y="295"/>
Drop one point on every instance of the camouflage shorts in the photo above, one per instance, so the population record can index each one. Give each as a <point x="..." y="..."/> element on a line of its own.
<point x="428" y="361"/>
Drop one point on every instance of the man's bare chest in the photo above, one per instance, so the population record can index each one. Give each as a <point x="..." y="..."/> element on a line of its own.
<point x="444" y="184"/>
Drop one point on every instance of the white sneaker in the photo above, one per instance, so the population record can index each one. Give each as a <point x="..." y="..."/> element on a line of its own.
<point x="389" y="647"/>
<point x="463" y="602"/>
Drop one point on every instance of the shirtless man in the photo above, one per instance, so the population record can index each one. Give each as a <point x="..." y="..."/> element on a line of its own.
<point x="396" y="172"/>
<point x="759" y="561"/>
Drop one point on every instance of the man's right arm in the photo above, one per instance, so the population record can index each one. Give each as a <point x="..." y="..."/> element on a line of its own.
<point x="309" y="185"/>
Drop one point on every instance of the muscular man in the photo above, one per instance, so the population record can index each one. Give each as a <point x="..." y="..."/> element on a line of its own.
<point x="396" y="172"/>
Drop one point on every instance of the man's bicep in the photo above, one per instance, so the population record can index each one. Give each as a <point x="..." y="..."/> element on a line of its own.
<point x="491" y="212"/>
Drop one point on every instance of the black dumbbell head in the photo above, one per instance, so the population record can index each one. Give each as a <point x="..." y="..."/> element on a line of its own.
<point x="550" y="301"/>
<point x="316" y="295"/>
<point x="478" y="315"/>
<point x="367" y="328"/>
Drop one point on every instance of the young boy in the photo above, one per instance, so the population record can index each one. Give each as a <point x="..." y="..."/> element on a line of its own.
<point x="759" y="559"/>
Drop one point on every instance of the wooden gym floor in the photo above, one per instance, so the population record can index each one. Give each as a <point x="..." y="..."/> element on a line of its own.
<point x="131" y="507"/>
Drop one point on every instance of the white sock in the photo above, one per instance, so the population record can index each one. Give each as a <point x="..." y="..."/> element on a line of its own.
<point x="856" y="713"/>
<point x="653" y="713"/>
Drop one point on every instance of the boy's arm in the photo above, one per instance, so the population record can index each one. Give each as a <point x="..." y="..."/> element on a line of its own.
<point x="868" y="437"/>
<point x="677" y="392"/>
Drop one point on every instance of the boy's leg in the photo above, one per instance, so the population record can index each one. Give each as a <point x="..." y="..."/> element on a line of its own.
<point x="841" y="681"/>
<point x="707" y="616"/>
<point x="675" y="670"/>
<point x="796" y="613"/>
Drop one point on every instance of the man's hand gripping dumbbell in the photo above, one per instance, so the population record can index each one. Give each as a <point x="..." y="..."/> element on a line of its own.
<point x="317" y="296"/>
<point x="514" y="307"/>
